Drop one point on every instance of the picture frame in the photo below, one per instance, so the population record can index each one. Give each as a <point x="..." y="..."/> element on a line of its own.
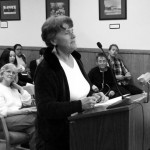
<point x="10" y="10"/>
<point x="57" y="7"/>
<point x="112" y="9"/>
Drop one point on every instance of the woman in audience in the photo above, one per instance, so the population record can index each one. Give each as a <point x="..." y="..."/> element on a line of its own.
<point x="21" y="59"/>
<point x="36" y="62"/>
<point x="12" y="98"/>
<point x="62" y="87"/>
<point x="9" y="56"/>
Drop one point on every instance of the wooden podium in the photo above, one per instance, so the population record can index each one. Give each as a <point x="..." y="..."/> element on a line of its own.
<point x="124" y="128"/>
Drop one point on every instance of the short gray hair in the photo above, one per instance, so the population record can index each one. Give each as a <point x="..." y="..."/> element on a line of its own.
<point x="5" y="68"/>
<point x="52" y="26"/>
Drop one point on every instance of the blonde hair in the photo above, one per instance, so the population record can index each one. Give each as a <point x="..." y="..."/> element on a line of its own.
<point x="5" y="68"/>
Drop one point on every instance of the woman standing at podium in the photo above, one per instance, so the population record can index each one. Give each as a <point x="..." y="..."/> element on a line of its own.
<point x="61" y="85"/>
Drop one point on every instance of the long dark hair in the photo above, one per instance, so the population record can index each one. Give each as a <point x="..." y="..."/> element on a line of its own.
<point x="4" y="59"/>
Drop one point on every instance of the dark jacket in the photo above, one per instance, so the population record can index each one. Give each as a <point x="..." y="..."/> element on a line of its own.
<point x="97" y="78"/>
<point x="53" y="101"/>
<point x="33" y="66"/>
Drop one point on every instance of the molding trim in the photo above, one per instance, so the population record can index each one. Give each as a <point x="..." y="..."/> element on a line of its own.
<point x="89" y="50"/>
<point x="122" y="51"/>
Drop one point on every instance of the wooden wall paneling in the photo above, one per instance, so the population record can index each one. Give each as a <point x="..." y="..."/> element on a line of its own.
<point x="137" y="61"/>
<point x="89" y="60"/>
<point x="146" y="63"/>
<point x="30" y="55"/>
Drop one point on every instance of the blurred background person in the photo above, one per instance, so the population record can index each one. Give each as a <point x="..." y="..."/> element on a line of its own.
<point x="36" y="62"/>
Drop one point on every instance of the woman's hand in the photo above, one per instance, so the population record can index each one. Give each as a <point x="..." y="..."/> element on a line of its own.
<point x="88" y="102"/>
<point x="119" y="77"/>
<point x="20" y="69"/>
<point x="100" y="97"/>
<point x="23" y="111"/>
<point x="18" y="87"/>
<point x="28" y="110"/>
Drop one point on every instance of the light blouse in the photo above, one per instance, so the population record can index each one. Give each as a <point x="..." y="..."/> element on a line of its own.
<point x="12" y="100"/>
<point x="78" y="85"/>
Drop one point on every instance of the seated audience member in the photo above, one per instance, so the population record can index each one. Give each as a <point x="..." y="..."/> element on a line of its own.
<point x="9" y="56"/>
<point x="36" y="62"/>
<point x="122" y="74"/>
<point x="102" y="78"/>
<point x="12" y="98"/>
<point x="21" y="59"/>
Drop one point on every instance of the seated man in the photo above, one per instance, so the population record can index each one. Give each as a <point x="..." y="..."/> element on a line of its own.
<point x="102" y="78"/>
<point x="34" y="63"/>
<point x="122" y="74"/>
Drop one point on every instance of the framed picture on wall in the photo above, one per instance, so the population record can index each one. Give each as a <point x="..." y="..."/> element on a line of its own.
<point x="112" y="9"/>
<point x="10" y="10"/>
<point x="57" y="7"/>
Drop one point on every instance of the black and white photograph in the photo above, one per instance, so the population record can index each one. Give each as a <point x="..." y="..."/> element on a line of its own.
<point x="74" y="75"/>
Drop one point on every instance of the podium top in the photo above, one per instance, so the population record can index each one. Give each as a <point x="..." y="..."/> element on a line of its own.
<point x="101" y="108"/>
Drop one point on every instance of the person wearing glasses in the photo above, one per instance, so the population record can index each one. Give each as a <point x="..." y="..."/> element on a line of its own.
<point x="102" y="78"/>
<point x="12" y="100"/>
<point x="62" y="87"/>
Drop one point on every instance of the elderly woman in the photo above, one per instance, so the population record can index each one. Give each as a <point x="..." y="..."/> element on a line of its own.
<point x="62" y="87"/>
<point x="12" y="98"/>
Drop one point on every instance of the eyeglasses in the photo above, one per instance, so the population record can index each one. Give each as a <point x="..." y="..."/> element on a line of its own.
<point x="67" y="31"/>
<point x="11" y="72"/>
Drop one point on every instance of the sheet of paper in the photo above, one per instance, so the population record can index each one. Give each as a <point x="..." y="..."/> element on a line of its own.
<point x="109" y="102"/>
<point x="134" y="98"/>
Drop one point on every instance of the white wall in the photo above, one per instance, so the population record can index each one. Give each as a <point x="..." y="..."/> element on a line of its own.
<point x="27" y="31"/>
<point x="133" y="33"/>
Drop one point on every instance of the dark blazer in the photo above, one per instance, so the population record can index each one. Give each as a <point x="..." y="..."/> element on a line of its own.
<point x="33" y="66"/>
<point x="97" y="78"/>
<point x="53" y="102"/>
